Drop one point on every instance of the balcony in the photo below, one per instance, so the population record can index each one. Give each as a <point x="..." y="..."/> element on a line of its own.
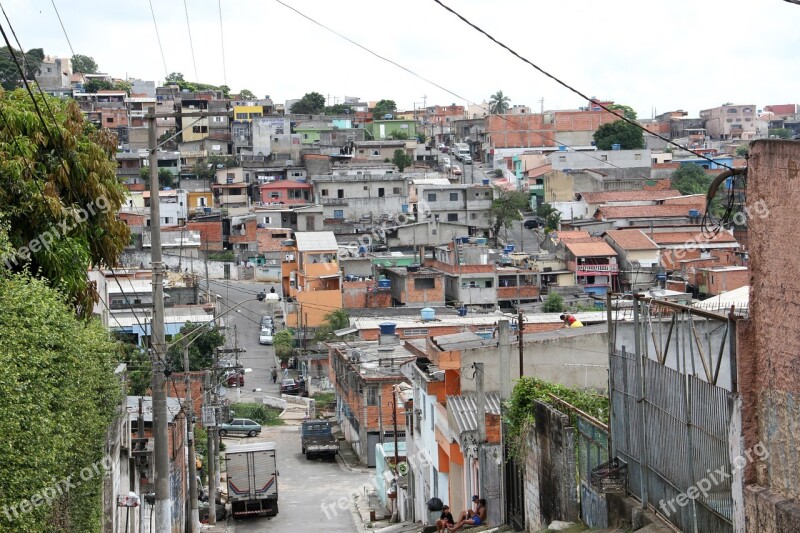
<point x="589" y="270"/>
<point x="333" y="201"/>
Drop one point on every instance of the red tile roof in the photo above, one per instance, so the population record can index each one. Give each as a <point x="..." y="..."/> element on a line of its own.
<point x="632" y="239"/>
<point x="681" y="237"/>
<point x="590" y="249"/>
<point x="646" y="211"/>
<point x="627" y="196"/>
<point x="576" y="235"/>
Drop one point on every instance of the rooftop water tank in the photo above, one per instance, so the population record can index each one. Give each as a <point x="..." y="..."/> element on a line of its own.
<point x="387" y="328"/>
<point x="694" y="213"/>
<point x="562" y="148"/>
<point x="384" y="283"/>
<point x="615" y="147"/>
<point x="428" y="313"/>
<point x="485" y="181"/>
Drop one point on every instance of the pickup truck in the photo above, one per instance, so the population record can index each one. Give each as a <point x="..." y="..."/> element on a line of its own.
<point x="317" y="438"/>
<point x="252" y="471"/>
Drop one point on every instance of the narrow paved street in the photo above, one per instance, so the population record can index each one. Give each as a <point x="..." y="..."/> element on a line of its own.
<point x="309" y="492"/>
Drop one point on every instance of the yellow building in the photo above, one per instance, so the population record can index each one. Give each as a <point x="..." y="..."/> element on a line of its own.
<point x="247" y="112"/>
<point x="198" y="200"/>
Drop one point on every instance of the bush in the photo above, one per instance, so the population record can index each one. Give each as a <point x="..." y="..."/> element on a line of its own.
<point x="553" y="304"/>
<point x="266" y="416"/>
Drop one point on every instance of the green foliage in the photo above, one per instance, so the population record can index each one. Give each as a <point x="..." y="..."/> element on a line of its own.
<point x="310" y="104"/>
<point x="742" y="151"/>
<point x="58" y="397"/>
<point x="60" y="194"/>
<point x="204" y="340"/>
<point x="421" y="138"/>
<point x="498" y="172"/>
<point x="165" y="177"/>
<point x="207" y="170"/>
<point x="266" y="416"/>
<point x="520" y="407"/>
<point x="627" y="111"/>
<point x="337" y="109"/>
<point x="627" y="135"/>
<point x="247" y="94"/>
<point x="283" y="341"/>
<point x="506" y="209"/>
<point x="227" y="255"/>
<point x="337" y="319"/>
<point x="84" y="64"/>
<point x="139" y="367"/>
<point x="400" y="135"/>
<point x="499" y="103"/>
<point x="384" y="107"/>
<point x="551" y="216"/>
<point x="177" y="79"/>
<point x="780" y="133"/>
<point x="30" y="62"/>
<point x="691" y="179"/>
<point x="553" y="304"/>
<point x="401" y="159"/>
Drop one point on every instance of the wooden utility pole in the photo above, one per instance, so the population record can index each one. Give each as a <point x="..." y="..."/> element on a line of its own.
<point x="212" y="484"/>
<point x="193" y="520"/>
<point x="520" y="327"/>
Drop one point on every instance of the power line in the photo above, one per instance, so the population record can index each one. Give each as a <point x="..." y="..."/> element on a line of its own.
<point x="222" y="42"/>
<point x="158" y="37"/>
<point x="62" y="27"/>
<point x="569" y="87"/>
<point x="191" y="45"/>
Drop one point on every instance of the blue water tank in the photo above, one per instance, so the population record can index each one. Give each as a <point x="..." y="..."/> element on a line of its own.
<point x="387" y="328"/>
<point x="509" y="248"/>
<point x="615" y="147"/>
<point x="562" y="148"/>
<point x="694" y="213"/>
<point x="384" y="283"/>
<point x="428" y="313"/>
<point x="462" y="311"/>
<point x="485" y="181"/>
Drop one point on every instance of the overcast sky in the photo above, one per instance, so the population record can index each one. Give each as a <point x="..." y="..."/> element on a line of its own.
<point x="650" y="55"/>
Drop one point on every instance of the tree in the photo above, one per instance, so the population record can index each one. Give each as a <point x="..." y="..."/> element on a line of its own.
<point x="30" y="62"/>
<point x="498" y="103"/>
<point x="310" y="104"/>
<point x="334" y="320"/>
<point x="742" y="151"/>
<point x="247" y="94"/>
<point x="553" y="304"/>
<point x="204" y="340"/>
<point x="401" y="159"/>
<point x="337" y="109"/>
<point x="400" y="135"/>
<point x="506" y="209"/>
<point x="551" y="216"/>
<point x="627" y="111"/>
<point x="84" y="64"/>
<point x="58" y="397"/>
<point x="139" y="367"/>
<point x="283" y="341"/>
<point x="780" y="133"/>
<point x="122" y="85"/>
<point x="60" y="195"/>
<point x="93" y="86"/>
<point x="165" y="178"/>
<point x="625" y="134"/>
<point x="174" y="77"/>
<point x="692" y="179"/>
<point x="383" y="108"/>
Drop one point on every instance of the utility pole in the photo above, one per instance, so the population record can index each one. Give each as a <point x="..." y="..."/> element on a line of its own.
<point x="163" y="514"/>
<point x="520" y="327"/>
<point x="212" y="484"/>
<point x="396" y="454"/>
<point x="194" y="513"/>
<point x="481" y="405"/>
<point x="504" y="345"/>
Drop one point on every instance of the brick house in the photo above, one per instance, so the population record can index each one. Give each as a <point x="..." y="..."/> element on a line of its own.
<point x="717" y="280"/>
<point x="595" y="265"/>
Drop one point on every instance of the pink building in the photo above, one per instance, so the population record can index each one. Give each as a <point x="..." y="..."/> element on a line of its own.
<point x="286" y="192"/>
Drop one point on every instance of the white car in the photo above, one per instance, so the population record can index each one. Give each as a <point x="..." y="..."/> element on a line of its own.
<point x="265" y="337"/>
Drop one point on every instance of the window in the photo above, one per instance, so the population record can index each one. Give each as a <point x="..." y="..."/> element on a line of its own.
<point x="381" y="192"/>
<point x="201" y="202"/>
<point x="396" y="190"/>
<point x="324" y="192"/>
<point x="110" y="119"/>
<point x="376" y="152"/>
<point x="453" y="196"/>
<point x="372" y="395"/>
<point x="431" y="197"/>
<point x="729" y="120"/>
<point x="473" y="216"/>
<point x="562" y="159"/>
<point x="241" y="116"/>
<point x="637" y="157"/>
<point x="738" y="120"/>
<point x="217" y="119"/>
<point x="305" y="136"/>
<point x="199" y="129"/>
<point x="452" y="217"/>
<point x="732" y="110"/>
<point x="415" y="332"/>
<point x="338" y="213"/>
<point x="268" y="220"/>
<point x="436" y="218"/>
<point x="424" y="283"/>
<point x="603" y="157"/>
<point x="340" y="193"/>
<point x="366" y="187"/>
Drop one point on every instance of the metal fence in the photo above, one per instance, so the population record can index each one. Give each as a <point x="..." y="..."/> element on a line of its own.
<point x="671" y="427"/>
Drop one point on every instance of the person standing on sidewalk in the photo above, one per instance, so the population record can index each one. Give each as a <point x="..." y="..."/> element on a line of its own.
<point x="274" y="375"/>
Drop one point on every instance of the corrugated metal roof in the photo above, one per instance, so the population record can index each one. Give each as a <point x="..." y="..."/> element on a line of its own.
<point x="313" y="241"/>
<point x="464" y="410"/>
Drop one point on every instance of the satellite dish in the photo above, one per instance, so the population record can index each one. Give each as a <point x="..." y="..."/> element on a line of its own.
<point x="402" y="468"/>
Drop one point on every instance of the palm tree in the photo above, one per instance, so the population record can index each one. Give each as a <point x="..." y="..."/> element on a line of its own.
<point x="498" y="103"/>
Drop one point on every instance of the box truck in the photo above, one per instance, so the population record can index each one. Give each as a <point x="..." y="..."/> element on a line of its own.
<point x="252" y="472"/>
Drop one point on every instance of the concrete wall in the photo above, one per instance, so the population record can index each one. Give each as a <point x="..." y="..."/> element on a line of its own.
<point x="216" y="269"/>
<point x="769" y="342"/>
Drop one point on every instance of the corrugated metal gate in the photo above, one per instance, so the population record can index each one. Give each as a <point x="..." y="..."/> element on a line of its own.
<point x="670" y="427"/>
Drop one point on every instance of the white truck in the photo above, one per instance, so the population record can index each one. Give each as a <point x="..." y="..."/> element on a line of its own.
<point x="460" y="150"/>
<point x="252" y="472"/>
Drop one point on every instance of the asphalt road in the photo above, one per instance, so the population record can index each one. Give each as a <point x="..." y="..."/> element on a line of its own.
<point x="309" y="492"/>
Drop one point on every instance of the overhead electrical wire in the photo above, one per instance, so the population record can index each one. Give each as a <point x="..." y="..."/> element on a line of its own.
<point x="63" y="28"/>
<point x="570" y="88"/>
<point x="158" y="38"/>
<point x="222" y="43"/>
<point x="191" y="44"/>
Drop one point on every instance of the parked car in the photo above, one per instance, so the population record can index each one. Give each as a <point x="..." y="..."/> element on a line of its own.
<point x="443" y="148"/>
<point x="234" y="378"/>
<point x="267" y="322"/>
<point x="290" y="386"/>
<point x="266" y="336"/>
<point x="240" y="426"/>
<point x="457" y="170"/>
<point x="467" y="159"/>
<point x="533" y="223"/>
